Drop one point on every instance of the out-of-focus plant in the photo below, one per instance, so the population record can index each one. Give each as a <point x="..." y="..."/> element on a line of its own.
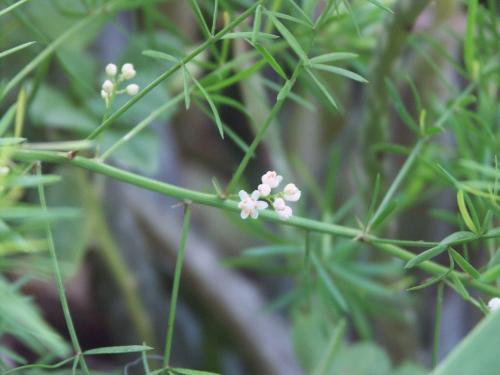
<point x="350" y="263"/>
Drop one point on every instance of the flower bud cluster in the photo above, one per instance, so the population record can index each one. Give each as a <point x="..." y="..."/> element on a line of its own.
<point x="110" y="87"/>
<point x="260" y="199"/>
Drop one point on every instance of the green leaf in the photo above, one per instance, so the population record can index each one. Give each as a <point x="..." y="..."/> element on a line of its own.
<point x="441" y="247"/>
<point x="430" y="282"/>
<point x="185" y="371"/>
<point x="386" y="211"/>
<point x="212" y="106"/>
<point x="20" y="113"/>
<point x="340" y="71"/>
<point x="22" y="319"/>
<point x="462" y="207"/>
<point x="459" y="287"/>
<point x="290" y="18"/>
<point x="7" y="119"/>
<point x="332" y="289"/>
<point x="160" y="55"/>
<point x="464" y="265"/>
<point x="270" y="60"/>
<point x="15" y="49"/>
<point x="118" y="350"/>
<point x="469" y="43"/>
<point x="292" y="42"/>
<point x="477" y="353"/>
<point x="301" y="11"/>
<point x="199" y="17"/>
<point x="322" y="89"/>
<point x="12" y="7"/>
<point x="333" y="56"/>
<point x="256" y="23"/>
<point x="247" y="35"/>
<point x="400" y="106"/>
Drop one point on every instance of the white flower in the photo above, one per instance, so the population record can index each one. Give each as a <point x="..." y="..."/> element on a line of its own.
<point x="132" y="89"/>
<point x="128" y="71"/>
<point x="104" y="94"/>
<point x="111" y="70"/>
<point x="272" y="179"/>
<point x="283" y="211"/>
<point x="107" y="86"/>
<point x="264" y="190"/>
<point x="292" y="193"/>
<point x="250" y="204"/>
<point x="494" y="304"/>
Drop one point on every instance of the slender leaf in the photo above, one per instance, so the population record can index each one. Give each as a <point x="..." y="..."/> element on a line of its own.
<point x="333" y="56"/>
<point x="453" y="238"/>
<point x="160" y="55"/>
<point x="218" y="121"/>
<point x="292" y="42"/>
<point x="340" y="71"/>
<point x="464" y="265"/>
<point x="118" y="350"/>
<point x="322" y="88"/>
<point x="15" y="49"/>
<point x="465" y="212"/>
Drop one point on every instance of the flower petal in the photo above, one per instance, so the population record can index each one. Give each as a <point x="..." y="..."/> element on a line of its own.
<point x="255" y="214"/>
<point x="243" y="194"/>
<point x="244" y="214"/>
<point x="261" y="205"/>
<point x="255" y="195"/>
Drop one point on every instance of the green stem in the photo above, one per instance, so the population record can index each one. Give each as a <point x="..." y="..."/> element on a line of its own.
<point x="59" y="281"/>
<point x="175" y="288"/>
<point x="397" y="182"/>
<point x="282" y="95"/>
<point x="202" y="47"/>
<point x="231" y="205"/>
<point x="437" y="324"/>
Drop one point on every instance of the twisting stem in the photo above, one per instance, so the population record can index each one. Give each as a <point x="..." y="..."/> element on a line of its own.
<point x="175" y="287"/>
<point x="58" y="277"/>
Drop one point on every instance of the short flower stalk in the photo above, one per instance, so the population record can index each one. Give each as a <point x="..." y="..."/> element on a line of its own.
<point x="262" y="197"/>
<point x="111" y="86"/>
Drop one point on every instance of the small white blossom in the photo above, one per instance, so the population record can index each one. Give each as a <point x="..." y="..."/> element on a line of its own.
<point x="111" y="70"/>
<point x="272" y="179"/>
<point x="108" y="86"/>
<point x="128" y="71"/>
<point x="132" y="89"/>
<point x="264" y="190"/>
<point x="250" y="204"/>
<point x="494" y="304"/>
<point x="283" y="211"/>
<point x="104" y="94"/>
<point x="292" y="193"/>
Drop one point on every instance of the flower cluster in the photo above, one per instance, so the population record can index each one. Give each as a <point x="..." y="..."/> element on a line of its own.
<point x="494" y="304"/>
<point x="260" y="199"/>
<point x="110" y="87"/>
